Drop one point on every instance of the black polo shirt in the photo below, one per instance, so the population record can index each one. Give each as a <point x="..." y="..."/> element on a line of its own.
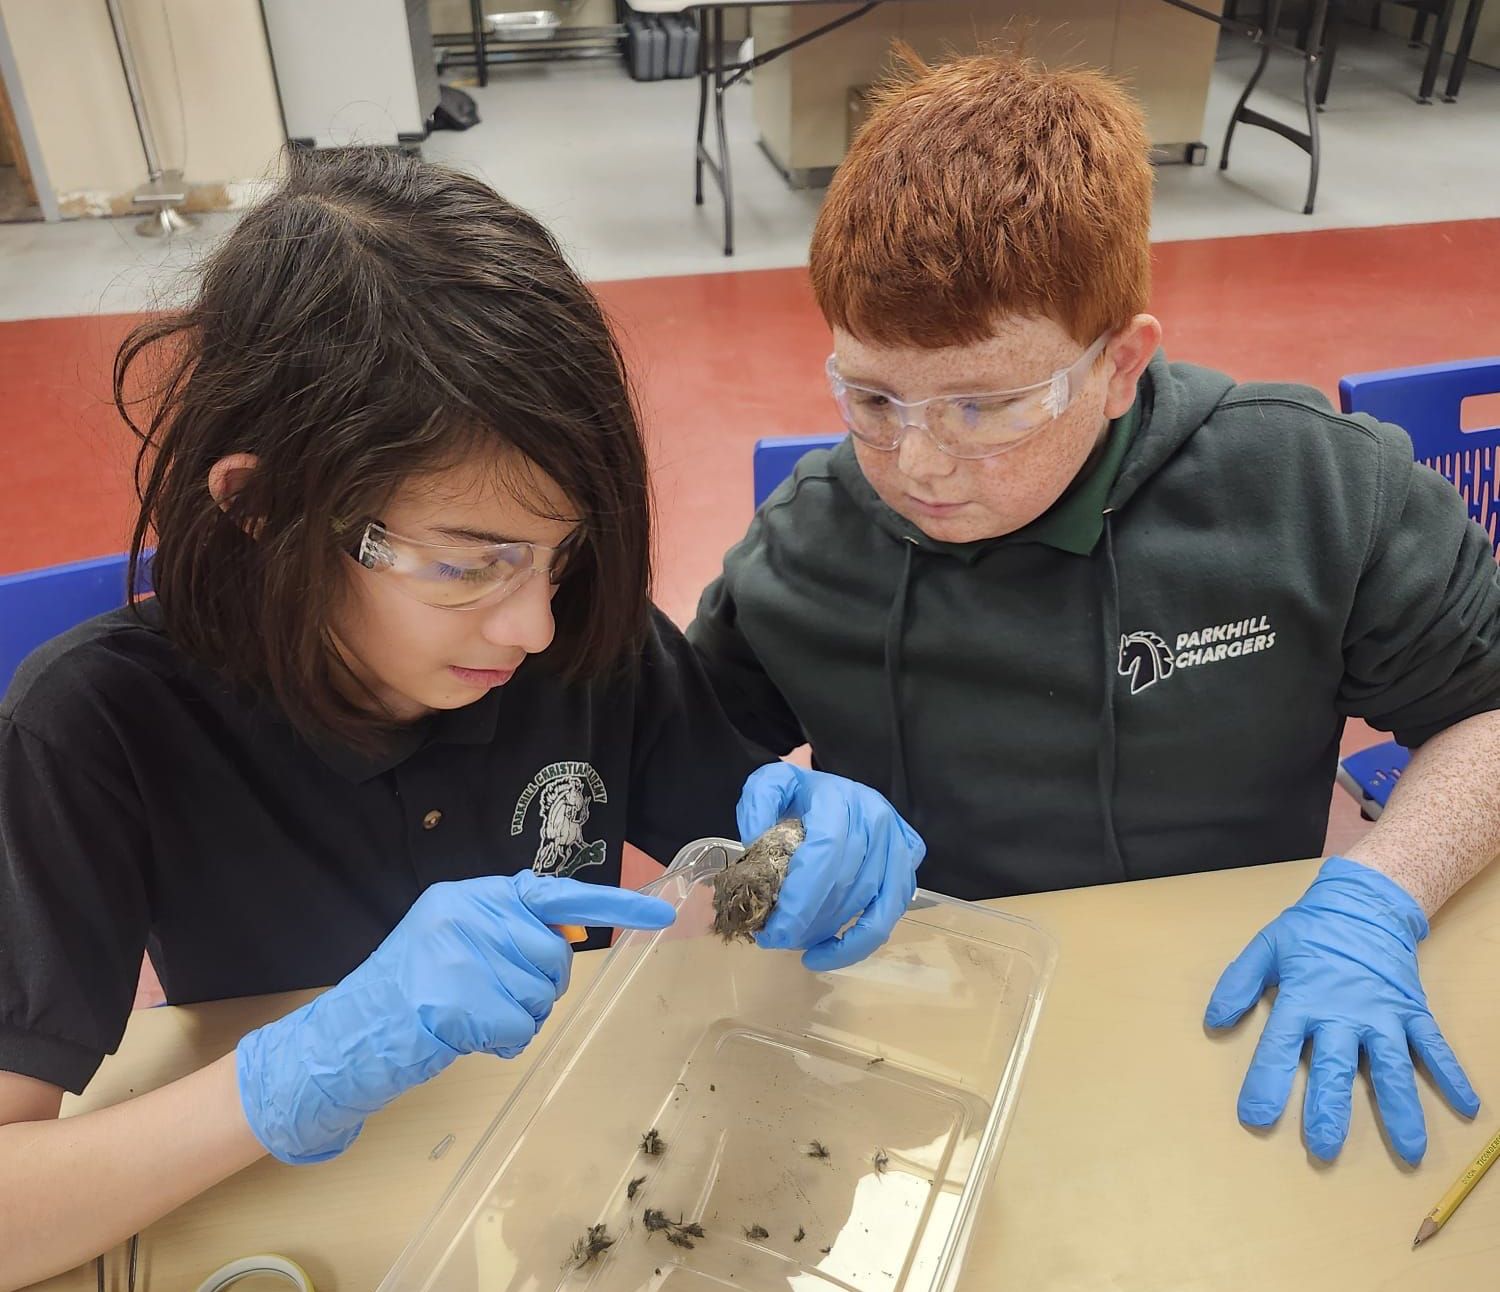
<point x="146" y="805"/>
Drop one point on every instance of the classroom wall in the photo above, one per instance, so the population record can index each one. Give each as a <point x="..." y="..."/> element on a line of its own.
<point x="213" y="106"/>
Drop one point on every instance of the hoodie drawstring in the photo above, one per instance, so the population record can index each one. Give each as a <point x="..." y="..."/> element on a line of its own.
<point x="1109" y="596"/>
<point x="1109" y="618"/>
<point x="895" y="628"/>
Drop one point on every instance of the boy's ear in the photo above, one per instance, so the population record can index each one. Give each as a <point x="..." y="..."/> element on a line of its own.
<point x="1130" y="350"/>
<point x="227" y="477"/>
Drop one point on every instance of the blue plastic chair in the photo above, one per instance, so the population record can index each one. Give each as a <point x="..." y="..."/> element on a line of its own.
<point x="777" y="456"/>
<point x="1425" y="402"/>
<point x="37" y="605"/>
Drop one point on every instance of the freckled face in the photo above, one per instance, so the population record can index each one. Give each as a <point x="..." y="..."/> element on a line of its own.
<point x="959" y="500"/>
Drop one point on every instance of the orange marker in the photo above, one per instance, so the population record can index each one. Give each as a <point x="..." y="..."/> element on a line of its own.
<point x="573" y="933"/>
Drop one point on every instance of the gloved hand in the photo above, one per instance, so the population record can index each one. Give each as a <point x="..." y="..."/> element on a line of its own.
<point x="474" y="965"/>
<point x="1344" y="960"/>
<point x="859" y="860"/>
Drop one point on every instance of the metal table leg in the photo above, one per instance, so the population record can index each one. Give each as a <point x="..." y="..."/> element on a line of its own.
<point x="703" y="26"/>
<point x="1310" y="77"/>
<point x="1240" y="111"/>
<point x="711" y="68"/>
<point x="1335" y="30"/>
<point x="481" y="56"/>
<point x="1461" y="54"/>
<point x="715" y="73"/>
<point x="1265" y="36"/>
<point x="726" y="176"/>
<point x="1435" y="53"/>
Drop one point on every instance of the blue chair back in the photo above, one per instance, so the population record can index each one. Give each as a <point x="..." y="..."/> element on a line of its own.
<point x="37" y="605"/>
<point x="777" y="456"/>
<point x="1425" y="402"/>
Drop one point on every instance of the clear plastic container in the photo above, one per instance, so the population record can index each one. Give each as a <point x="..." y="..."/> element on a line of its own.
<point x="530" y="24"/>
<point x="825" y="1130"/>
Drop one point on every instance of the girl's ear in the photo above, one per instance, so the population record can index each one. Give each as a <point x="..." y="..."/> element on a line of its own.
<point x="227" y="477"/>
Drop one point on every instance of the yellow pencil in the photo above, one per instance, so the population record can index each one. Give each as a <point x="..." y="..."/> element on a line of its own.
<point x="1448" y="1204"/>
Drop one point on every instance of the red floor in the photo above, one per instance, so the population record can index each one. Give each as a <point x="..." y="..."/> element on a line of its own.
<point x="726" y="358"/>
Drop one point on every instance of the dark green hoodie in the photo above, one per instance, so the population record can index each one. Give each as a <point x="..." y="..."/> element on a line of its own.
<point x="1169" y="700"/>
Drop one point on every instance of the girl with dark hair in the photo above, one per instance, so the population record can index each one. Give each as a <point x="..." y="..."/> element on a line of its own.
<point x="398" y="702"/>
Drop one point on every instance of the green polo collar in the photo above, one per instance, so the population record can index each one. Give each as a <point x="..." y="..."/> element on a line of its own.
<point x="1074" y="523"/>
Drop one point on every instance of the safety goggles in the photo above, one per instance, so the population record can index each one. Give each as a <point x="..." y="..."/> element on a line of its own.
<point x="963" y="426"/>
<point x="455" y="577"/>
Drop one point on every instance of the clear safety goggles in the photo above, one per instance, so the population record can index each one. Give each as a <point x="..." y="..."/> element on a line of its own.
<point x="455" y="577"/>
<point x="963" y="426"/>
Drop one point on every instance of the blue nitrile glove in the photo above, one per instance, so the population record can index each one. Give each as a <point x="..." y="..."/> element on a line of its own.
<point x="859" y="860"/>
<point x="1344" y="961"/>
<point x="473" y="966"/>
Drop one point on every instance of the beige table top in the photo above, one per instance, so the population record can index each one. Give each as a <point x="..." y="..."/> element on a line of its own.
<point x="1125" y="1169"/>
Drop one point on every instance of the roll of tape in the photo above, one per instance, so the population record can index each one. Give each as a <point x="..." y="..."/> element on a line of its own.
<point x="276" y="1266"/>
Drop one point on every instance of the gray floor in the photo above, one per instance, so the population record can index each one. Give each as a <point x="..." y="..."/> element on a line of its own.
<point x="95" y="266"/>
<point x="607" y="162"/>
<point x="621" y="197"/>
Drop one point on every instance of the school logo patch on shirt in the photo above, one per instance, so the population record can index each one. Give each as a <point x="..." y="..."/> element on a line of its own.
<point x="563" y="793"/>
<point x="1147" y="659"/>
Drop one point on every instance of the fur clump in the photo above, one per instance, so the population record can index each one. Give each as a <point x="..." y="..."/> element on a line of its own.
<point x="745" y="893"/>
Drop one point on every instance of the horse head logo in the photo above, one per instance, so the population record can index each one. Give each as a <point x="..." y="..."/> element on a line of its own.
<point x="1145" y="659"/>
<point x="565" y="811"/>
